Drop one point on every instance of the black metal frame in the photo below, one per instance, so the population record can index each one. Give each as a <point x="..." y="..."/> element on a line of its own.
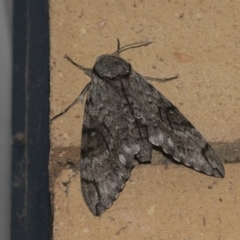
<point x="31" y="212"/>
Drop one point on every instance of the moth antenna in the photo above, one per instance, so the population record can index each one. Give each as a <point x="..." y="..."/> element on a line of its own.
<point x="87" y="71"/>
<point x="129" y="46"/>
<point x="118" y="48"/>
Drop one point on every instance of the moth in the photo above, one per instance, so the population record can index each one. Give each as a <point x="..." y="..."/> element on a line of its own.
<point x="125" y="117"/>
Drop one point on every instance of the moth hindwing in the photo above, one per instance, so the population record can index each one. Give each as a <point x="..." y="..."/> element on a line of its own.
<point x="124" y="118"/>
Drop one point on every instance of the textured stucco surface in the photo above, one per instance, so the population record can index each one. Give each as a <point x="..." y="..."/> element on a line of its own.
<point x="199" y="41"/>
<point x="156" y="203"/>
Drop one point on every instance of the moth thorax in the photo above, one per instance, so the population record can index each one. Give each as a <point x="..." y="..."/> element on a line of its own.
<point x="110" y="67"/>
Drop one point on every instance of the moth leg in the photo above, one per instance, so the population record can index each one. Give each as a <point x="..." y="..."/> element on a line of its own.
<point x="87" y="71"/>
<point x="78" y="99"/>
<point x="161" y="79"/>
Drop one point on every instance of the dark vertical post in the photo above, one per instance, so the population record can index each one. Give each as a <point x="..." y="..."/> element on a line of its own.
<point x="31" y="213"/>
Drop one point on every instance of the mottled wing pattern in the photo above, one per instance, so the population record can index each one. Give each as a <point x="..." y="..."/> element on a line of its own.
<point x="170" y="130"/>
<point x="109" y="143"/>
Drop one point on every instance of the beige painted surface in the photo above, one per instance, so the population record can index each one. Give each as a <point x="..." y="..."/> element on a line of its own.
<point x="157" y="204"/>
<point x="199" y="41"/>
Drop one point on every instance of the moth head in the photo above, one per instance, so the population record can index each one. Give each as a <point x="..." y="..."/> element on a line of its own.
<point x="110" y="67"/>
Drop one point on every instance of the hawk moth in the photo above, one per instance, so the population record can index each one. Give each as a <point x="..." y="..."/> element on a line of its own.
<point x="124" y="118"/>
